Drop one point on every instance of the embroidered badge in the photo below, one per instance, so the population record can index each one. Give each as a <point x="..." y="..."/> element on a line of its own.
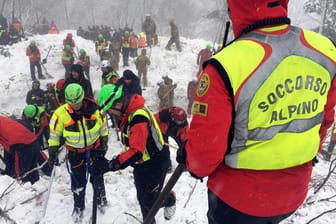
<point x="203" y="85"/>
<point x="200" y="108"/>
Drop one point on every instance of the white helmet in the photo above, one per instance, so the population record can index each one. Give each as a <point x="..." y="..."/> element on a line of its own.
<point x="105" y="64"/>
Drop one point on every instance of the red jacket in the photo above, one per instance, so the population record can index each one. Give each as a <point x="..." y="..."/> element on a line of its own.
<point x="203" y="55"/>
<point x="12" y="132"/>
<point x="34" y="55"/>
<point x="138" y="138"/>
<point x="258" y="193"/>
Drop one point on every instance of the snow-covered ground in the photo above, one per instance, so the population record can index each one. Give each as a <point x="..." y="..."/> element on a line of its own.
<point x="14" y="84"/>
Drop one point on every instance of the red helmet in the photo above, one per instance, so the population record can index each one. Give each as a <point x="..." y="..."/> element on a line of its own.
<point x="179" y="116"/>
<point x="69" y="35"/>
<point x="59" y="84"/>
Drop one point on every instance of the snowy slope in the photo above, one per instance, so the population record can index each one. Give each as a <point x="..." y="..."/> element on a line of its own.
<point x="14" y="84"/>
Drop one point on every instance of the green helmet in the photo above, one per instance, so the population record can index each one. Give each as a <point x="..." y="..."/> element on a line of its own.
<point x="208" y="46"/>
<point x="74" y="93"/>
<point x="30" y="111"/>
<point x="100" y="36"/>
<point x="33" y="43"/>
<point x="108" y="95"/>
<point x="82" y="52"/>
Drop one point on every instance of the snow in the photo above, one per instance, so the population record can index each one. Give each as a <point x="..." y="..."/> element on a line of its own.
<point x="14" y="84"/>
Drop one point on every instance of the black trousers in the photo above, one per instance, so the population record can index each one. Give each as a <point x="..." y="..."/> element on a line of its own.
<point x="21" y="160"/>
<point x="221" y="213"/>
<point x="78" y="172"/>
<point x="149" y="179"/>
<point x="32" y="69"/>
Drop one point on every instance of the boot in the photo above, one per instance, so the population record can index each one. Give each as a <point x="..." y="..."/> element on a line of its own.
<point x="170" y="209"/>
<point x="77" y="215"/>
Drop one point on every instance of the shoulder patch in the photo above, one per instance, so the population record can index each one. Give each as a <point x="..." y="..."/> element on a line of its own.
<point x="203" y="85"/>
<point x="200" y="108"/>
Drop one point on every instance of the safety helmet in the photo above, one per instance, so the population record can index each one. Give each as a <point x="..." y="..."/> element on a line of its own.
<point x="100" y="36"/>
<point x="69" y="35"/>
<point x="33" y="43"/>
<point x="108" y="95"/>
<point x="82" y="52"/>
<point x="74" y="93"/>
<point x="30" y="111"/>
<point x="67" y="47"/>
<point x="127" y="33"/>
<point x="179" y="116"/>
<point x="59" y="84"/>
<point x="208" y="46"/>
<point x="105" y="64"/>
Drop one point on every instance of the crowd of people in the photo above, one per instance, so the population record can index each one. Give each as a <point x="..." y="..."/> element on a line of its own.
<point x="260" y="138"/>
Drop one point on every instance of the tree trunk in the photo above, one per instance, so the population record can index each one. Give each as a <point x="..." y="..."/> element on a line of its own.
<point x="324" y="16"/>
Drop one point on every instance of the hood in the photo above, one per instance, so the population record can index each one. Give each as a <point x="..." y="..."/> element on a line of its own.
<point x="136" y="102"/>
<point x="247" y="12"/>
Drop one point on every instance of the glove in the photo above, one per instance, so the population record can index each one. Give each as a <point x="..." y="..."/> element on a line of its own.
<point x="99" y="166"/>
<point x="314" y="160"/>
<point x="53" y="155"/>
<point x="181" y="154"/>
<point x="103" y="142"/>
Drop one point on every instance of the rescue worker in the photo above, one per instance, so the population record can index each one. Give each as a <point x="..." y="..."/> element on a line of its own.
<point x="34" y="56"/>
<point x="202" y="56"/>
<point x="68" y="58"/>
<point x="85" y="133"/>
<point x="149" y="27"/>
<point x="130" y="83"/>
<point x="100" y="45"/>
<point x="108" y="76"/>
<point x="173" y="123"/>
<point x="36" y="95"/>
<point x="191" y="94"/>
<point x="142" y="40"/>
<point x="125" y="48"/>
<point x="134" y="44"/>
<point x="77" y="76"/>
<point x="141" y="63"/>
<point x="259" y="164"/>
<point x="143" y="143"/>
<point x="69" y="41"/>
<point x="166" y="92"/>
<point x="115" y="48"/>
<point x="84" y="61"/>
<point x="59" y="86"/>
<point x="174" y="38"/>
<point x="39" y="120"/>
<point x="21" y="148"/>
<point x="51" y="99"/>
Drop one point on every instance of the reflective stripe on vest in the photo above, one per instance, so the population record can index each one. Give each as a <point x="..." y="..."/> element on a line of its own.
<point x="78" y="134"/>
<point x="154" y="129"/>
<point x="280" y="89"/>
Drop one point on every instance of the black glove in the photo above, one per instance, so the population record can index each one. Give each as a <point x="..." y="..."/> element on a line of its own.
<point x="314" y="160"/>
<point x="53" y="155"/>
<point x="101" y="165"/>
<point x="103" y="143"/>
<point x="181" y="154"/>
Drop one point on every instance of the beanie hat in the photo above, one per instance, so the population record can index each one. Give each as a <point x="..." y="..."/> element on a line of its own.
<point x="128" y="74"/>
<point x="77" y="68"/>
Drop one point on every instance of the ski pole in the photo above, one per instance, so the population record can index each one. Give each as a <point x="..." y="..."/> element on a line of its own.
<point x="49" y="190"/>
<point x="226" y="34"/>
<point x="94" y="203"/>
<point x="164" y="193"/>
